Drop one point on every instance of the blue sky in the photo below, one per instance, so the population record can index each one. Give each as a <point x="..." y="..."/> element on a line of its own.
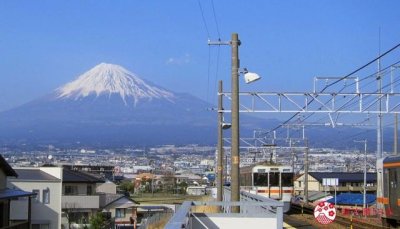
<point x="45" y="44"/>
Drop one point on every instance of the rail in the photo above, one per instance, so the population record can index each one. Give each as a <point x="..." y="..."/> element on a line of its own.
<point x="251" y="207"/>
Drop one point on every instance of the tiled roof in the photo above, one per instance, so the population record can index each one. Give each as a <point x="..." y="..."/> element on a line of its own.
<point x="111" y="198"/>
<point x="7" y="168"/>
<point x="343" y="176"/>
<point x="34" y="175"/>
<point x="70" y="176"/>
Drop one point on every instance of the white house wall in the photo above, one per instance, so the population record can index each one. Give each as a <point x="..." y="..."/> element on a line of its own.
<point x="40" y="211"/>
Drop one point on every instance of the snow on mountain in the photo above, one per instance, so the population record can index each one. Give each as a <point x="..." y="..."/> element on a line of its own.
<point x="110" y="79"/>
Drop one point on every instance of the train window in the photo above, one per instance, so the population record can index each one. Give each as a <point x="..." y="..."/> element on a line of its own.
<point x="260" y="179"/>
<point x="287" y="179"/>
<point x="274" y="179"/>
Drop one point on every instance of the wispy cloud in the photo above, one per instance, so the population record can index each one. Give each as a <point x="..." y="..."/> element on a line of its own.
<point x="185" y="59"/>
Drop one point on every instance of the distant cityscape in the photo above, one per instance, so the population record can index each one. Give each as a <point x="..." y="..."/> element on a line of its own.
<point x="194" y="158"/>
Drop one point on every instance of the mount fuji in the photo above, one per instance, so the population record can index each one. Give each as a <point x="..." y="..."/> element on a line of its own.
<point x="109" y="105"/>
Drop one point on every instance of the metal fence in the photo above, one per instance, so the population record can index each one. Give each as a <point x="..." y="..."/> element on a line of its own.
<point x="251" y="206"/>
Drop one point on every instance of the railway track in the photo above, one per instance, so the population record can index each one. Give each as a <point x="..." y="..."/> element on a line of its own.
<point x="347" y="222"/>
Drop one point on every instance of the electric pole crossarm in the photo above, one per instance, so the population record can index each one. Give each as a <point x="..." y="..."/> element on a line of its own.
<point x="219" y="42"/>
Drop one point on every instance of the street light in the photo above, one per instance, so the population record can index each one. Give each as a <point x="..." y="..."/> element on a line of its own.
<point x="249" y="77"/>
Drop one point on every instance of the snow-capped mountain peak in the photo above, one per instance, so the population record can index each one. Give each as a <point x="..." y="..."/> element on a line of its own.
<point x="109" y="79"/>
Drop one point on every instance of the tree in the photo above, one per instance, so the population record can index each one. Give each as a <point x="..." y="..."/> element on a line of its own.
<point x="98" y="221"/>
<point x="127" y="186"/>
<point x="183" y="186"/>
<point x="169" y="181"/>
<point x="69" y="209"/>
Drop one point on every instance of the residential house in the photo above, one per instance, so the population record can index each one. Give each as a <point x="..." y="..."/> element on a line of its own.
<point x="107" y="187"/>
<point x="79" y="198"/>
<point x="7" y="195"/>
<point x="46" y="183"/>
<point x="120" y="209"/>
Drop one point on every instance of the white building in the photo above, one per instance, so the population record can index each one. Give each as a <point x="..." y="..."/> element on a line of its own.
<point x="46" y="182"/>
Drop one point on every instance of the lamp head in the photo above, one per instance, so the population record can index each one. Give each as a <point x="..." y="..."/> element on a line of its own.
<point x="250" y="77"/>
<point x="226" y="125"/>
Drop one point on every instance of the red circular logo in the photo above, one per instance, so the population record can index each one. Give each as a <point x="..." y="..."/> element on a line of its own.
<point x="325" y="213"/>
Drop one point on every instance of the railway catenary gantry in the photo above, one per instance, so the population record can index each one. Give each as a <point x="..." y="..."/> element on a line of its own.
<point x="293" y="102"/>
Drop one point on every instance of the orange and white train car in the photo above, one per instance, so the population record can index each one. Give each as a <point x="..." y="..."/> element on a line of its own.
<point x="388" y="192"/>
<point x="272" y="181"/>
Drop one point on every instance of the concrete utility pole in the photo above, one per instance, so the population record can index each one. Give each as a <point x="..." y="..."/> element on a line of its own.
<point x="395" y="134"/>
<point x="220" y="170"/>
<point x="235" y="157"/>
<point x="292" y="151"/>
<point x="365" y="178"/>
<point x="365" y="175"/>
<point x="379" y="124"/>
<point x="306" y="174"/>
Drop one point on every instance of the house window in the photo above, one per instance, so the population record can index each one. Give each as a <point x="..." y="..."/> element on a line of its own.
<point x="46" y="196"/>
<point x="37" y="197"/>
<point x="70" y="190"/>
<point x="89" y="190"/>
<point x="120" y="212"/>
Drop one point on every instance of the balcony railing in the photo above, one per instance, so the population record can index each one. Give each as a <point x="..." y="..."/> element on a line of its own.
<point x="254" y="211"/>
<point x="80" y="202"/>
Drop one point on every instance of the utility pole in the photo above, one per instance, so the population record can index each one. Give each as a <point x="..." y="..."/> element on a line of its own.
<point x="306" y="174"/>
<point x="365" y="176"/>
<point x="220" y="173"/>
<point x="292" y="151"/>
<point x="379" y="127"/>
<point x="235" y="157"/>
<point x="395" y="134"/>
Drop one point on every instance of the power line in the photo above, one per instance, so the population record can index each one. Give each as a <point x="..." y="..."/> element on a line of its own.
<point x="204" y="20"/>
<point x="208" y="74"/>
<point x="337" y="81"/>
<point x="217" y="69"/>
<point x="215" y="19"/>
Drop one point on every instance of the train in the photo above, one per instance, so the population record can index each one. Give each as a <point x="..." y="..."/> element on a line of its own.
<point x="269" y="180"/>
<point x="388" y="192"/>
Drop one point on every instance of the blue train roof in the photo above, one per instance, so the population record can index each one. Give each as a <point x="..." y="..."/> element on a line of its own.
<point x="344" y="176"/>
<point x="352" y="199"/>
<point x="394" y="158"/>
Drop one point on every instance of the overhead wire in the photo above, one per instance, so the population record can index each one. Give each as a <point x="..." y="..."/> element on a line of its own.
<point x="215" y="19"/>
<point x="337" y="81"/>
<point x="209" y="50"/>
<point x="209" y="47"/>
<point x="395" y="83"/>
<point x="348" y="104"/>
<point x="204" y="19"/>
